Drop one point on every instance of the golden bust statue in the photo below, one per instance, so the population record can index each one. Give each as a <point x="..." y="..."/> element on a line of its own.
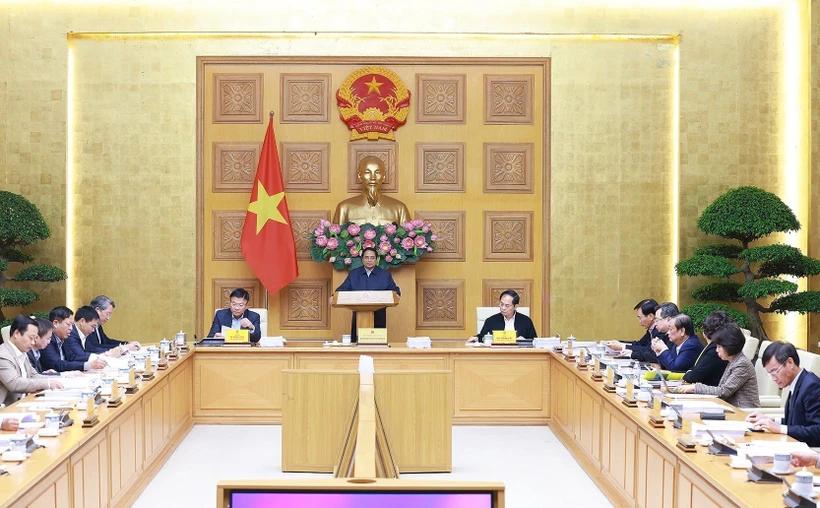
<point x="371" y="205"/>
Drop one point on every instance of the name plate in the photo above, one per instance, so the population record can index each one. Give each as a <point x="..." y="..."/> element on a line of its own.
<point x="504" y="337"/>
<point x="359" y="297"/>
<point x="373" y="336"/>
<point x="237" y="336"/>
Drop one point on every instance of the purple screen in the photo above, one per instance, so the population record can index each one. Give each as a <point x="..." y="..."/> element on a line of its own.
<point x="360" y="500"/>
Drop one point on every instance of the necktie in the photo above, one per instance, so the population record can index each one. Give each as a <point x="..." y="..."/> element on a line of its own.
<point x="788" y="408"/>
<point x="60" y="347"/>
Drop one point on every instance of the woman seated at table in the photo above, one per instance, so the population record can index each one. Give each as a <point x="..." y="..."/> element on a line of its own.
<point x="738" y="385"/>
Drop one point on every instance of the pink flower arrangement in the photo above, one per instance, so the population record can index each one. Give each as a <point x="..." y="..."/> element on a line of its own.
<point x="370" y="234"/>
<point x="367" y="244"/>
<point x="321" y="240"/>
<point x="407" y="243"/>
<point x="333" y="242"/>
<point x="354" y="229"/>
<point x="420" y="242"/>
<point x="335" y="229"/>
<point x="390" y="229"/>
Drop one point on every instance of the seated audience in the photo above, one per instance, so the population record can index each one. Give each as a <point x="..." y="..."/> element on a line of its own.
<point x="237" y="317"/>
<point x="640" y="350"/>
<point x="53" y="356"/>
<point x="85" y="322"/>
<point x="709" y="367"/>
<point x="17" y="376"/>
<point x="738" y="385"/>
<point x="44" y="332"/>
<point x="99" y="342"/>
<point x="686" y="346"/>
<point x="508" y="319"/>
<point x="802" y="419"/>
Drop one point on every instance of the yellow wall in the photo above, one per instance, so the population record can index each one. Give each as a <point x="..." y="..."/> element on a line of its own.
<point x="614" y="177"/>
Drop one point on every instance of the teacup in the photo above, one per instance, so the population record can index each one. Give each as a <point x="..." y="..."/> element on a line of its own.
<point x="782" y="463"/>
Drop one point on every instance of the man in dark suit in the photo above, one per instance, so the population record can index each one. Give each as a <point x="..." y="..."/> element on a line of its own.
<point x="641" y="349"/>
<point x="98" y="342"/>
<point x="508" y="319"/>
<point x="238" y="316"/>
<point x="53" y="356"/>
<point x="369" y="276"/>
<point x="802" y="418"/>
<point x="86" y="321"/>
<point x="686" y="345"/>
<point x="44" y="332"/>
<point x="709" y="368"/>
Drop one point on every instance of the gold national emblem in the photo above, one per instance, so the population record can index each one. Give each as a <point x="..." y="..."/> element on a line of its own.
<point x="373" y="102"/>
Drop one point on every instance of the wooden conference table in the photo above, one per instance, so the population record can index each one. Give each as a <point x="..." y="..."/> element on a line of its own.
<point x="635" y="465"/>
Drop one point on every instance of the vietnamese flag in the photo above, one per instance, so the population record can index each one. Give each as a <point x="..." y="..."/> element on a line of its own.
<point x="267" y="237"/>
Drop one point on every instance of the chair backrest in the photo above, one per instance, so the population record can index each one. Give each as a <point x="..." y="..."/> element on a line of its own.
<point x="5" y="332"/>
<point x="750" y="348"/>
<point x="809" y="361"/>
<point x="765" y="384"/>
<point x="482" y="313"/>
<point x="263" y="318"/>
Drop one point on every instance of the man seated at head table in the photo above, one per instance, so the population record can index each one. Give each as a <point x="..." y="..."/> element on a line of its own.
<point x="686" y="345"/>
<point x="17" y="376"/>
<point x="85" y="322"/>
<point x="709" y="367"/>
<point x="641" y="349"/>
<point x="738" y="385"/>
<point x="99" y="342"/>
<point x="802" y="419"/>
<point x="237" y="317"/>
<point x="508" y="319"/>
<point x="53" y="356"/>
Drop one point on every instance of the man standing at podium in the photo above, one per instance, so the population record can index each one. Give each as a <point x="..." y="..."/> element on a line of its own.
<point x="369" y="277"/>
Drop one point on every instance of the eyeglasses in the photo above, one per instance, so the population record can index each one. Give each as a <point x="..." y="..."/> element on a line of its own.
<point x="774" y="372"/>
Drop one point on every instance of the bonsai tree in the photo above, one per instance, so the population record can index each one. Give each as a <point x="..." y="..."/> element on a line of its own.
<point x="750" y="274"/>
<point x="21" y="224"/>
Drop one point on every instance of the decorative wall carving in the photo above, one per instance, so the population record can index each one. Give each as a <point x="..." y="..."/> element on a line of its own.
<point x="508" y="236"/>
<point x="234" y="166"/>
<point x="441" y="98"/>
<point x="492" y="289"/>
<point x="238" y="98"/>
<point x="305" y="167"/>
<point x="440" y="303"/>
<point x="508" y="167"/>
<point x="387" y="151"/>
<point x="227" y="227"/>
<point x="440" y="167"/>
<point x="449" y="228"/>
<point x="305" y="98"/>
<point x="508" y="99"/>
<point x="303" y="222"/>
<point x="303" y="305"/>
<point x="222" y="290"/>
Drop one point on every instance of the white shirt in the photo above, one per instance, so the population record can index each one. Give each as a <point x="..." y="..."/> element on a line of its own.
<point x="509" y="324"/>
<point x="82" y="337"/>
<point x="784" y="429"/>
<point x="21" y="358"/>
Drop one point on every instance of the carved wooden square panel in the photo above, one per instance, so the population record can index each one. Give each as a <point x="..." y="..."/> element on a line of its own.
<point x="222" y="291"/>
<point x="508" y="168"/>
<point x="440" y="303"/>
<point x="508" y="236"/>
<point x="305" y="167"/>
<point x="303" y="305"/>
<point x="492" y="289"/>
<point x="234" y="166"/>
<point x="303" y="222"/>
<point x="440" y="167"/>
<point x="227" y="231"/>
<point x="238" y="98"/>
<point x="508" y="99"/>
<point x="305" y="98"/>
<point x="441" y="98"/>
<point x="449" y="228"/>
<point x="387" y="151"/>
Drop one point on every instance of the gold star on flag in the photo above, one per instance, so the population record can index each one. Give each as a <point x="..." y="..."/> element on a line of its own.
<point x="373" y="86"/>
<point x="266" y="207"/>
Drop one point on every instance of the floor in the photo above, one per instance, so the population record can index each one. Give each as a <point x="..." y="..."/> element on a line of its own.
<point x="533" y="464"/>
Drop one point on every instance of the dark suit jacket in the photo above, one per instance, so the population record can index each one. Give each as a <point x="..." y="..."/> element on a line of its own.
<point x="50" y="357"/>
<point x="73" y="347"/>
<point x="523" y="326"/>
<point x="223" y="317"/>
<point x="35" y="362"/>
<point x="708" y="369"/>
<point x="803" y="409"/>
<point x="98" y="342"/>
<point x="642" y="349"/>
<point x="379" y="280"/>
<point x="683" y="361"/>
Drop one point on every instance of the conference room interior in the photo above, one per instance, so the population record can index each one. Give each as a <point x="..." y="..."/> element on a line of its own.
<point x="629" y="119"/>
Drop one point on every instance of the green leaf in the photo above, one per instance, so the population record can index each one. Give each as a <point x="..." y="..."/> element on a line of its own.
<point x="41" y="273"/>
<point x="709" y="266"/>
<point x="21" y="223"/>
<point x="699" y="311"/>
<point x="717" y="291"/>
<point x="803" y="303"/>
<point x="747" y="214"/>
<point x="776" y="252"/>
<point x="7" y="322"/>
<point x="14" y="297"/>
<point x="803" y="266"/>
<point x="764" y="288"/>
<point x="725" y="250"/>
<point x="4" y="265"/>
<point x="17" y="256"/>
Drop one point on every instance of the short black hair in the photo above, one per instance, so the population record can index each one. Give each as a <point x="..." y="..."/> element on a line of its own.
<point x="511" y="293"/>
<point x="647" y="306"/>
<point x="685" y="322"/>
<point x="241" y="293"/>
<point x="43" y="326"/>
<point x="730" y="338"/>
<point x="781" y="351"/>
<point x="715" y="321"/>
<point x="375" y="252"/>
<point x="87" y="313"/>
<point x="60" y="313"/>
<point x="21" y="322"/>
<point x="668" y="309"/>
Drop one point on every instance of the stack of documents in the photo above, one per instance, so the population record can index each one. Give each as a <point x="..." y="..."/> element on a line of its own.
<point x="419" y="342"/>
<point x="767" y="449"/>
<point x="700" y="406"/>
<point x="546" y="342"/>
<point x="720" y="428"/>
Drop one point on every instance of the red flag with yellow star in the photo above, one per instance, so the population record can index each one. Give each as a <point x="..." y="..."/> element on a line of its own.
<point x="267" y="237"/>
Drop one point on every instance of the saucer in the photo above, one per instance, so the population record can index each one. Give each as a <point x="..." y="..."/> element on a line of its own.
<point x="783" y="473"/>
<point x="741" y="465"/>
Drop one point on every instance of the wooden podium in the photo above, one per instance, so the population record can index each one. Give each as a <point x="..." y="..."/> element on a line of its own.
<point x="364" y="304"/>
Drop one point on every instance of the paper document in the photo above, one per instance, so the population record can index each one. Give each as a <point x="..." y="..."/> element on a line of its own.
<point x="688" y="395"/>
<point x="721" y="427"/>
<point x="700" y="406"/>
<point x="769" y="448"/>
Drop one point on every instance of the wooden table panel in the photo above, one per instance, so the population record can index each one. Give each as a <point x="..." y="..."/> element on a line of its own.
<point x="618" y="449"/>
<point x="657" y="469"/>
<point x="89" y="473"/>
<point x="126" y="438"/>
